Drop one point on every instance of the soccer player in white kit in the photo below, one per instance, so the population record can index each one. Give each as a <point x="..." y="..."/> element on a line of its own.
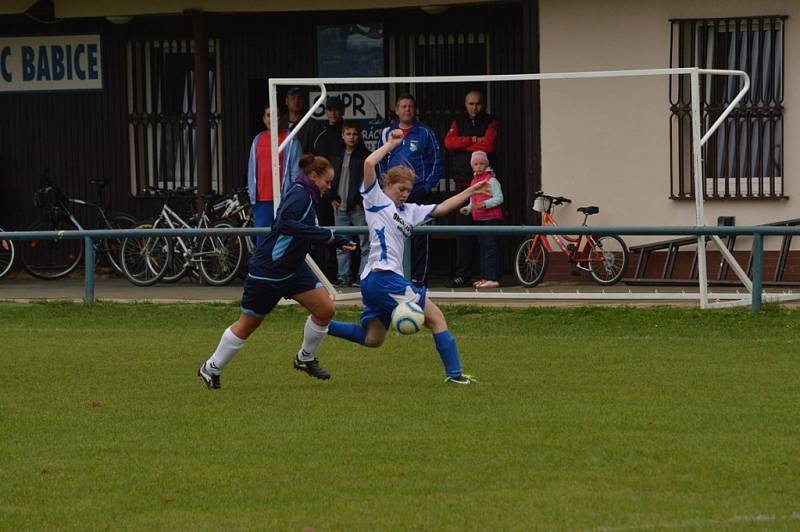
<point x="383" y="286"/>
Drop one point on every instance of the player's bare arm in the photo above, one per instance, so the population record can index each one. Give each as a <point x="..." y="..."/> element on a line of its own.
<point x="394" y="140"/>
<point x="454" y="202"/>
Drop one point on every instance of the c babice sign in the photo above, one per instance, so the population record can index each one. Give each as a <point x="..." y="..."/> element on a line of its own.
<point x="51" y="63"/>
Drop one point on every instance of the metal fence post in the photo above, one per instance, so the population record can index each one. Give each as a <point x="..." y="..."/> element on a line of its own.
<point x="88" y="284"/>
<point x="758" y="271"/>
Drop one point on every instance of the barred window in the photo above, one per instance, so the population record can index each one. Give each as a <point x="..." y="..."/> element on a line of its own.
<point x="161" y="114"/>
<point x="744" y="158"/>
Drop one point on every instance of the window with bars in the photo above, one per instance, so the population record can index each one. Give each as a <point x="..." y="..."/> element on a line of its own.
<point x="447" y="55"/>
<point x="744" y="158"/>
<point x="161" y="114"/>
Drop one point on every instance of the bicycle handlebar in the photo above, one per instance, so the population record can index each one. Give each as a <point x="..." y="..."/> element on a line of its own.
<point x="557" y="200"/>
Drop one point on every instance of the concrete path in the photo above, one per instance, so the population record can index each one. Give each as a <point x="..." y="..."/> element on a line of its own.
<point x="20" y="287"/>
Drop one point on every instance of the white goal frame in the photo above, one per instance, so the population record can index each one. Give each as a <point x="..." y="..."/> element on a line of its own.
<point x="698" y="139"/>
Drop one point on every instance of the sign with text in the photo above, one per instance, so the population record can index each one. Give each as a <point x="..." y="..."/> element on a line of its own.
<point x="368" y="108"/>
<point x="50" y="63"/>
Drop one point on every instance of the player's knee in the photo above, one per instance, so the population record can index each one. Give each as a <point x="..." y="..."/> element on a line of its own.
<point x="373" y="341"/>
<point x="324" y="315"/>
<point x="434" y="319"/>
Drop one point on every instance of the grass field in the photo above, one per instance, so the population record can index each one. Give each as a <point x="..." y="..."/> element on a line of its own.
<point x="586" y="419"/>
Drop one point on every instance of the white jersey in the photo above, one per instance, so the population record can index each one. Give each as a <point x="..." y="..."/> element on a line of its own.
<point x="389" y="226"/>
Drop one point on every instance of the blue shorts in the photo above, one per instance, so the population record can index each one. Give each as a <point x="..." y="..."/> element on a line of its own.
<point x="262" y="294"/>
<point x="375" y="293"/>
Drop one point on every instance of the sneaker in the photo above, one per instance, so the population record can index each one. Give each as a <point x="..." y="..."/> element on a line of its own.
<point x="489" y="284"/>
<point x="461" y="379"/>
<point x="457" y="282"/>
<point x="356" y="284"/>
<point x="209" y="379"/>
<point x="311" y="367"/>
<point x="479" y="282"/>
<point x="418" y="284"/>
<point x="341" y="283"/>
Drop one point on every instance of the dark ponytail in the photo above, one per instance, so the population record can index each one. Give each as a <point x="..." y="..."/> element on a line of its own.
<point x="310" y="163"/>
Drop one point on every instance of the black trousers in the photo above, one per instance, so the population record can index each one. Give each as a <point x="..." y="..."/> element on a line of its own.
<point x="420" y="244"/>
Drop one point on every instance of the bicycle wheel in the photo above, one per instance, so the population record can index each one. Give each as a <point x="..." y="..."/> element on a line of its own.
<point x="179" y="264"/>
<point x="531" y="262"/>
<point x="112" y="246"/>
<point x="144" y="260"/>
<point x="608" y="258"/>
<point x="51" y="259"/>
<point x="6" y="255"/>
<point x="221" y="256"/>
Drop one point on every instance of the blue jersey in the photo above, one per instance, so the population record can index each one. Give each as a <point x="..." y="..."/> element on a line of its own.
<point x="293" y="231"/>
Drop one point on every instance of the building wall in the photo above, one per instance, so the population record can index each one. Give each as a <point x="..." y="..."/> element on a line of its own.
<point x="606" y="142"/>
<point x="81" y="136"/>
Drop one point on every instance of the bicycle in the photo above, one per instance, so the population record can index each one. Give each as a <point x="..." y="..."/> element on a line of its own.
<point x="216" y="259"/>
<point x="51" y="259"/>
<point x="235" y="208"/>
<point x="6" y="255"/>
<point x="604" y="257"/>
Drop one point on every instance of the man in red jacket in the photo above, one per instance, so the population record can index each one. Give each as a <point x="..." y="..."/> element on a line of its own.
<point x="474" y="130"/>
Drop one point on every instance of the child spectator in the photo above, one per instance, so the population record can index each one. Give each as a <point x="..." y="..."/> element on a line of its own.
<point x="486" y="211"/>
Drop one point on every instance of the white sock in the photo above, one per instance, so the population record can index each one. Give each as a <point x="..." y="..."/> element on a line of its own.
<point x="228" y="346"/>
<point x="313" y="335"/>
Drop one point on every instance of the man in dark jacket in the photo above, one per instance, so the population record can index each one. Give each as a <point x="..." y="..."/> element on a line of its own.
<point x="471" y="131"/>
<point x="329" y="141"/>
<point x="345" y="199"/>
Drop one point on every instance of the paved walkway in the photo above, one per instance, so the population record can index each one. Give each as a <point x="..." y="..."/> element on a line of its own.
<point x="22" y="288"/>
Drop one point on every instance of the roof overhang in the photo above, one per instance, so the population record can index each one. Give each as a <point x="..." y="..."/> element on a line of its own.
<point x="119" y="8"/>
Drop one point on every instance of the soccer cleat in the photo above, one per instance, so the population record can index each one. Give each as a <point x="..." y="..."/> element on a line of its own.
<point x="461" y="379"/>
<point x="457" y="282"/>
<point x="311" y="367"/>
<point x="209" y="379"/>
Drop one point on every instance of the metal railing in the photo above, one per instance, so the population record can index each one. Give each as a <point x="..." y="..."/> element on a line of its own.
<point x="757" y="232"/>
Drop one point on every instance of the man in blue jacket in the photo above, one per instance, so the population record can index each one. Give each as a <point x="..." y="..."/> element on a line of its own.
<point x="420" y="151"/>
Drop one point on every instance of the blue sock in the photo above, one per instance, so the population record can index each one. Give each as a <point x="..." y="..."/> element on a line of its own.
<point x="448" y="351"/>
<point x="349" y="331"/>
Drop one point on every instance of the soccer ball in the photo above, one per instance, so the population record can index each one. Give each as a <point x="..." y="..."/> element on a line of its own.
<point x="407" y="318"/>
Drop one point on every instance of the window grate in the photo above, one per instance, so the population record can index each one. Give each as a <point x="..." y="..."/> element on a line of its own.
<point x="161" y="114"/>
<point x="744" y="158"/>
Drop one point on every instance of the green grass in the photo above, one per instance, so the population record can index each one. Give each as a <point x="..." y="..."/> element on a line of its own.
<point x="587" y="419"/>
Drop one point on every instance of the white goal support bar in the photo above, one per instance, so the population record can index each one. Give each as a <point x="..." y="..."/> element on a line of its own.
<point x="698" y="139"/>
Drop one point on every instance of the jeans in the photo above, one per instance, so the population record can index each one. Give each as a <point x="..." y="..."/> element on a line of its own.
<point x="263" y="216"/>
<point x="352" y="218"/>
<point x="488" y="251"/>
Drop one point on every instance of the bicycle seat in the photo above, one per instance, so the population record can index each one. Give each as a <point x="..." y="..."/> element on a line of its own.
<point x="589" y="210"/>
<point x="100" y="182"/>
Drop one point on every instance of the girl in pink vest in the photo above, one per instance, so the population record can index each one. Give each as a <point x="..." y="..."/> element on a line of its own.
<point x="486" y="210"/>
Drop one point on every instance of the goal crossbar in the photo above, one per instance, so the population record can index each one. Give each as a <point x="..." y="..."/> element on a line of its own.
<point x="698" y="139"/>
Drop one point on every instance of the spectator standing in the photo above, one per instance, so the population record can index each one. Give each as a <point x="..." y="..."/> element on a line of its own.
<point x="472" y="131"/>
<point x="486" y="211"/>
<point x="345" y="198"/>
<point x="259" y="173"/>
<point x="419" y="151"/>
<point x="295" y="109"/>
<point x="328" y="143"/>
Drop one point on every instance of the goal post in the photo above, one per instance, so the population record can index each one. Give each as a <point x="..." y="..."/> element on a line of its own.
<point x="699" y="139"/>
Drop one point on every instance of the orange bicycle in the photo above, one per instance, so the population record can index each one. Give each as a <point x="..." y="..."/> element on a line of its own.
<point x="605" y="257"/>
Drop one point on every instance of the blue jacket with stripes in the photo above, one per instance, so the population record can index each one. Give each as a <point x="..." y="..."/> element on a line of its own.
<point x="419" y="150"/>
<point x="295" y="228"/>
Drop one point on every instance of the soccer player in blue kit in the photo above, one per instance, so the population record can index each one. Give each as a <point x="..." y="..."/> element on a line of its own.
<point x="383" y="286"/>
<point x="278" y="270"/>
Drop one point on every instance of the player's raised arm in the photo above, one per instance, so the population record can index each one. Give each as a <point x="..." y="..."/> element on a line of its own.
<point x="454" y="202"/>
<point x="394" y="140"/>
